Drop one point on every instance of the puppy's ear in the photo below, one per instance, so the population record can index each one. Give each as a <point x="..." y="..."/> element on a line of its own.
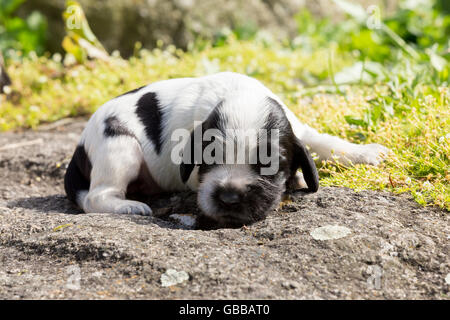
<point x="193" y="150"/>
<point x="302" y="159"/>
<point x="192" y="147"/>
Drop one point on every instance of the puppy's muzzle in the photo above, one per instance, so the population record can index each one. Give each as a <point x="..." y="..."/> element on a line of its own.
<point x="229" y="198"/>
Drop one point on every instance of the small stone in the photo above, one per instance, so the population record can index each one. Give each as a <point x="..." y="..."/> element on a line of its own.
<point x="330" y="232"/>
<point x="97" y="274"/>
<point x="172" y="277"/>
<point x="185" y="219"/>
<point x="447" y="278"/>
<point x="289" y="285"/>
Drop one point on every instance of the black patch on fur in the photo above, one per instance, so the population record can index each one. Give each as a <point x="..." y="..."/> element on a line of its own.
<point x="78" y="174"/>
<point x="150" y="114"/>
<point x="131" y="91"/>
<point x="212" y="122"/>
<point x="114" y="128"/>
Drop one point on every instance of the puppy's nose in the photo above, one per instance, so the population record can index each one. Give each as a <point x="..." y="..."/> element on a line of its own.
<point x="229" y="197"/>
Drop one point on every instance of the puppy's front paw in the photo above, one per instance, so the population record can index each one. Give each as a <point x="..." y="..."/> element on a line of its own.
<point x="133" y="207"/>
<point x="372" y="154"/>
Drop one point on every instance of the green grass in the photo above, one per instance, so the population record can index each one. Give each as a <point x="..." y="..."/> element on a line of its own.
<point x="409" y="115"/>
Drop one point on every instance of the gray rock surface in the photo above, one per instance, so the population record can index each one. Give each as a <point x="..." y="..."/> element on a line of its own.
<point x="396" y="249"/>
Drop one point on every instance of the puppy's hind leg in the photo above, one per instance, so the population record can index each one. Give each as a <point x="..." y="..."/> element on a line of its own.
<point x="118" y="164"/>
<point x="333" y="148"/>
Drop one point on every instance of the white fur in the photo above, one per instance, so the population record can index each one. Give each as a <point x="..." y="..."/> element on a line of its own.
<point x="116" y="161"/>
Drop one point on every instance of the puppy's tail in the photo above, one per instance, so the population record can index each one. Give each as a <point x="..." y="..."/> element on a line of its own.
<point x="76" y="180"/>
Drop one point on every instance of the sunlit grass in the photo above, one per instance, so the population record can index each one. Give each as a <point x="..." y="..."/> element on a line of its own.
<point x="420" y="144"/>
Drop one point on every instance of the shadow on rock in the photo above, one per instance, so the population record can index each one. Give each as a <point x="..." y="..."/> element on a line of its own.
<point x="54" y="203"/>
<point x="60" y="204"/>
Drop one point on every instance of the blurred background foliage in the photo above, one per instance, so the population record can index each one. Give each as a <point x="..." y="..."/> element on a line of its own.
<point x="368" y="71"/>
<point x="21" y="35"/>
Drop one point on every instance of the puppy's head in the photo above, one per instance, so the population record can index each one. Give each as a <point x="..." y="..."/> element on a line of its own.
<point x="245" y="159"/>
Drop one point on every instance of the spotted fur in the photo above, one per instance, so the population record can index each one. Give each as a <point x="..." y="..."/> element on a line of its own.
<point x="129" y="139"/>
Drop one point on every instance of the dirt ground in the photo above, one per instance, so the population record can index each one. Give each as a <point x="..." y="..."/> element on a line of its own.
<point x="392" y="247"/>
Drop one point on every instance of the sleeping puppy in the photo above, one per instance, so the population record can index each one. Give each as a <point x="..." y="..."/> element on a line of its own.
<point x="226" y="136"/>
